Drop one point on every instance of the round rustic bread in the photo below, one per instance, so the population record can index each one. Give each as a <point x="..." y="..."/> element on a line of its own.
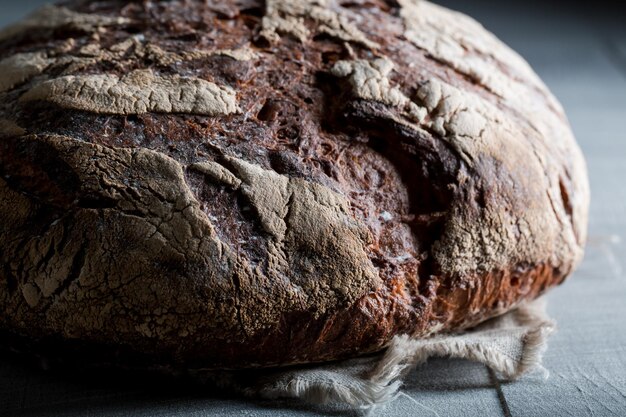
<point x="228" y="184"/>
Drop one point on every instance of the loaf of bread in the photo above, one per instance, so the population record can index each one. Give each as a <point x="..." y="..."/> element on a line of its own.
<point x="246" y="183"/>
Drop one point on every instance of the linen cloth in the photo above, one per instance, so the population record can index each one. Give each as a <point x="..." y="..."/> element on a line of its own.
<point x="511" y="345"/>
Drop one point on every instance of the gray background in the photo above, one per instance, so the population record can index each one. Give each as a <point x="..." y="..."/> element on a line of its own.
<point x="580" y="52"/>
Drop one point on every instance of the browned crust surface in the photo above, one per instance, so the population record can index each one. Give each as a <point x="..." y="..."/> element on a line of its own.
<point x="246" y="183"/>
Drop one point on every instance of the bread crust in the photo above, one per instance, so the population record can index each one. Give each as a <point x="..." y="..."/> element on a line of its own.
<point x="243" y="184"/>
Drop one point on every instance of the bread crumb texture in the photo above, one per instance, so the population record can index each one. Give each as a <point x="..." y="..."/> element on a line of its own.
<point x="136" y="93"/>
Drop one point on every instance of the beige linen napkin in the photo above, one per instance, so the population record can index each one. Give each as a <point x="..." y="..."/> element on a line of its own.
<point x="511" y="345"/>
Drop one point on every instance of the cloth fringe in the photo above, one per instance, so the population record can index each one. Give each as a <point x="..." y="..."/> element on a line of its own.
<point x="512" y="345"/>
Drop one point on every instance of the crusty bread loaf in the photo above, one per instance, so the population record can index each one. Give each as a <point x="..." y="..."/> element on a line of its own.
<point x="228" y="184"/>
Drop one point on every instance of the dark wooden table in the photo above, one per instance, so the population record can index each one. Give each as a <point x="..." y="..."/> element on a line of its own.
<point x="581" y="54"/>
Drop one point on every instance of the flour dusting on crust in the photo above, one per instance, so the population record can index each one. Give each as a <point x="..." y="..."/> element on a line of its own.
<point x="494" y="236"/>
<point x="21" y="67"/>
<point x="136" y="93"/>
<point x="369" y="81"/>
<point x="288" y="17"/>
<point x="462" y="43"/>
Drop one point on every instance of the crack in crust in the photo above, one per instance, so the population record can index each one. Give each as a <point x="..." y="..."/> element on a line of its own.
<point x="308" y="225"/>
<point x="519" y="224"/>
<point x="463" y="44"/>
<point x="23" y="67"/>
<point x="133" y="218"/>
<point x="370" y="81"/>
<point x="288" y="17"/>
<point x="136" y="47"/>
<point x="340" y="197"/>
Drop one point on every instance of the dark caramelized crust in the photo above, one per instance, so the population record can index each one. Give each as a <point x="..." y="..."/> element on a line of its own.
<point x="227" y="184"/>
